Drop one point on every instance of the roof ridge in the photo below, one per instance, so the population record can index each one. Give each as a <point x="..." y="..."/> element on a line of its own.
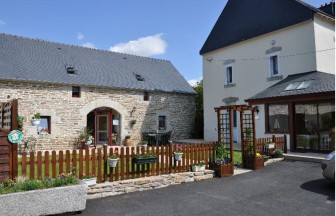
<point x="314" y="8"/>
<point x="78" y="46"/>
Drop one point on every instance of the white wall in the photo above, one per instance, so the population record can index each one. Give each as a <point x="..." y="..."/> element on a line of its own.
<point x="325" y="39"/>
<point x="251" y="76"/>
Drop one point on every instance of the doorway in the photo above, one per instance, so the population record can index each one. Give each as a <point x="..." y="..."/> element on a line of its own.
<point x="314" y="123"/>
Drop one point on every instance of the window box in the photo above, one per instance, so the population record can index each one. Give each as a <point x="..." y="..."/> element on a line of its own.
<point x="149" y="160"/>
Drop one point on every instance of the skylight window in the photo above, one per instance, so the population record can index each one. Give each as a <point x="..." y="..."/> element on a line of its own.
<point x="70" y="69"/>
<point x="299" y="85"/>
<point x="292" y="86"/>
<point x="305" y="84"/>
<point x="139" y="77"/>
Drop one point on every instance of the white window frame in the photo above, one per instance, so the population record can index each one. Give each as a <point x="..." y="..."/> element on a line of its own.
<point x="270" y="69"/>
<point x="226" y="74"/>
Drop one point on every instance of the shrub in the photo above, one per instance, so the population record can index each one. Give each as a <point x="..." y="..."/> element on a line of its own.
<point x="278" y="153"/>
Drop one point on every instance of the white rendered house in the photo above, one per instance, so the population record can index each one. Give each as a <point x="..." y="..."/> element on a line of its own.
<point x="256" y="44"/>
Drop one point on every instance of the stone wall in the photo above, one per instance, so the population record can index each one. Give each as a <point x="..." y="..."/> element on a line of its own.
<point x="147" y="183"/>
<point x="69" y="115"/>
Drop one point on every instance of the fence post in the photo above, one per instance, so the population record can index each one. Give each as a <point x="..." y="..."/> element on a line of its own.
<point x="170" y="158"/>
<point x="273" y="139"/>
<point x="285" y="143"/>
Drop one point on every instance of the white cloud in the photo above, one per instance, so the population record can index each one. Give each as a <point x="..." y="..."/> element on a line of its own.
<point x="2" y="23"/>
<point x="80" y="36"/>
<point x="145" y="46"/>
<point x="89" y="45"/>
<point x="193" y="82"/>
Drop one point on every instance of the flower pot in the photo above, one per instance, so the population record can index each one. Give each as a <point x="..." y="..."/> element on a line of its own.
<point x="259" y="163"/>
<point x="89" y="182"/>
<point x="222" y="170"/>
<point x="140" y="161"/>
<point x="35" y="122"/>
<point x="270" y="146"/>
<point x="195" y="168"/>
<point x="202" y="168"/>
<point x="178" y="156"/>
<point x="113" y="162"/>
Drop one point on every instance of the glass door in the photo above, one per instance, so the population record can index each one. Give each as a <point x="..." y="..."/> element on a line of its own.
<point x="306" y="127"/>
<point x="103" y="129"/>
<point x="326" y="113"/>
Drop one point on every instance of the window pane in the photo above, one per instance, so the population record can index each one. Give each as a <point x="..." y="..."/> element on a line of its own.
<point x="229" y="75"/>
<point x="75" y="91"/>
<point x="326" y="113"/>
<point x="304" y="84"/>
<point x="278" y="118"/>
<point x="43" y="127"/>
<point x="162" y="122"/>
<point x="274" y="65"/>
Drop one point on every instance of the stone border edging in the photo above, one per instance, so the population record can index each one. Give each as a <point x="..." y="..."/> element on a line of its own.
<point x="146" y="183"/>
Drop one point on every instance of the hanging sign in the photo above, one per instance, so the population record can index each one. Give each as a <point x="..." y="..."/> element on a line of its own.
<point x="15" y="136"/>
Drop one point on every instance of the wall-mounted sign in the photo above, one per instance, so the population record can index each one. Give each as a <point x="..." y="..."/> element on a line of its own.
<point x="15" y="136"/>
<point x="115" y="122"/>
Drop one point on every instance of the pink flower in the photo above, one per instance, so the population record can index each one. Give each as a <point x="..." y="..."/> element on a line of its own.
<point x="179" y="148"/>
<point x="115" y="151"/>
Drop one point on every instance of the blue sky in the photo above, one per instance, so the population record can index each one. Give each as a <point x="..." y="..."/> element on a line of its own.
<point x="174" y="30"/>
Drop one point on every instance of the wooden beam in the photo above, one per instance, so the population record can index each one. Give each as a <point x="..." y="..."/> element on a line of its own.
<point x="231" y="135"/>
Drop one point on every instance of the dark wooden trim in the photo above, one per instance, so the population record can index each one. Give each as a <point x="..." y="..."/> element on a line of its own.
<point x="291" y="125"/>
<point x="14" y="111"/>
<point x="296" y="98"/>
<point x="266" y="108"/>
<point x="231" y="135"/>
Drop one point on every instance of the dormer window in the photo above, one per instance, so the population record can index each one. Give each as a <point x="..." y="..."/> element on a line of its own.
<point x="139" y="77"/>
<point x="70" y="69"/>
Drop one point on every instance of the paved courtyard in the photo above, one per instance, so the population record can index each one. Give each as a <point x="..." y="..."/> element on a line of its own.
<point x="283" y="188"/>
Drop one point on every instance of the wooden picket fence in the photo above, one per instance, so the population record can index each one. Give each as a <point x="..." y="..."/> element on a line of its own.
<point x="94" y="162"/>
<point x="280" y="143"/>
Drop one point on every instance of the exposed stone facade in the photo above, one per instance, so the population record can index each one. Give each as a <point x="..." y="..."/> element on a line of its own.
<point x="69" y="115"/>
<point x="148" y="183"/>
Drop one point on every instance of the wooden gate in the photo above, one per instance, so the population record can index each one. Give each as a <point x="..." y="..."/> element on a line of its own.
<point x="8" y="151"/>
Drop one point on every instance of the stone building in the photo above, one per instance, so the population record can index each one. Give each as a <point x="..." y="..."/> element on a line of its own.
<point x="72" y="87"/>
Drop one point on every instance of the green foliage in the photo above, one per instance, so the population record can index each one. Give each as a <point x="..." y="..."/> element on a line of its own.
<point x="37" y="116"/>
<point x="199" y="118"/>
<point x="127" y="137"/>
<point x="278" y="153"/>
<point x="146" y="155"/>
<point x="24" y="184"/>
<point x="84" y="134"/>
<point x="222" y="153"/>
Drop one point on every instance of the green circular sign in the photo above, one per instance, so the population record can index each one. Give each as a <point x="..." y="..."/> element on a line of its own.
<point x="15" y="136"/>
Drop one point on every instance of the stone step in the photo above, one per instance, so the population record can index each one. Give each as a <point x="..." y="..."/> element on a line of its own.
<point x="307" y="158"/>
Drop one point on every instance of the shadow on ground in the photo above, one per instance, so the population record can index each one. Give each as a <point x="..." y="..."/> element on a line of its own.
<point x="321" y="186"/>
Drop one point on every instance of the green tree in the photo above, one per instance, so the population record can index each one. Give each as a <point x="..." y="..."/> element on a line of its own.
<point x="199" y="118"/>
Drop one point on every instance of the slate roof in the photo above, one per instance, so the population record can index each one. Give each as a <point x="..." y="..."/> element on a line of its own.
<point x="321" y="83"/>
<point x="29" y="59"/>
<point x="245" y="19"/>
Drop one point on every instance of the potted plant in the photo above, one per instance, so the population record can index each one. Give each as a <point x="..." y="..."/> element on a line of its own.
<point x="269" y="144"/>
<point x="85" y="137"/>
<point x="198" y="166"/>
<point x="36" y="119"/>
<point x="128" y="142"/>
<point x="222" y="165"/>
<point x="113" y="159"/>
<point x="89" y="181"/>
<point x="146" y="158"/>
<point x="178" y="153"/>
<point x="259" y="161"/>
